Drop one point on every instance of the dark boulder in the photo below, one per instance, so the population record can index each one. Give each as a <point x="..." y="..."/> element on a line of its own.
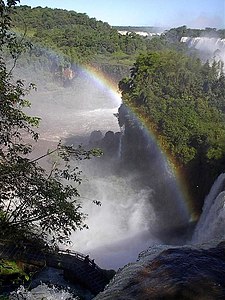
<point x="177" y="273"/>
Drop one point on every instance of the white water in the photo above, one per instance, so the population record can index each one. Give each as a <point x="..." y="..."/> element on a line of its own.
<point x="77" y="110"/>
<point x="212" y="48"/>
<point x="126" y="222"/>
<point x="209" y="232"/>
<point x="211" y="226"/>
<point x="42" y="292"/>
<point x="121" y="227"/>
<point x="129" y="217"/>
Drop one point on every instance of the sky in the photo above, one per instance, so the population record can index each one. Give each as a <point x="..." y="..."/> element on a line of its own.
<point x="159" y="13"/>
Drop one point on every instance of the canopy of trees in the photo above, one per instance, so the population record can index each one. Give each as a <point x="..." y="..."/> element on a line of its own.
<point x="182" y="101"/>
<point x="81" y="39"/>
<point x="75" y="34"/>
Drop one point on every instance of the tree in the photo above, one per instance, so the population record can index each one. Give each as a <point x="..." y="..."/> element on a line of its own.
<point x="33" y="201"/>
<point x="182" y="101"/>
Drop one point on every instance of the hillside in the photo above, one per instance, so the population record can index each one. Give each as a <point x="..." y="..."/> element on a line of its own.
<point x="63" y="38"/>
<point x="75" y="35"/>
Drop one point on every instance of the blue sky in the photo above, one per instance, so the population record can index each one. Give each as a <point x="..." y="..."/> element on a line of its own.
<point x="164" y="13"/>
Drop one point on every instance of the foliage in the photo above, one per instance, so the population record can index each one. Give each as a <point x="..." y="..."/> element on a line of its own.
<point x="32" y="199"/>
<point x="63" y="38"/>
<point x="182" y="101"/>
<point x="76" y="38"/>
<point x="178" y="94"/>
<point x="11" y="274"/>
<point x="74" y="34"/>
<point x="9" y="267"/>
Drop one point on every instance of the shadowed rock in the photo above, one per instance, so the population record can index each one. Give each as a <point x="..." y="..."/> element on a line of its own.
<point x="177" y="273"/>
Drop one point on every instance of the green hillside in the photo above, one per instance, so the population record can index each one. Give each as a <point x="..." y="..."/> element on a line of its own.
<point x="77" y="36"/>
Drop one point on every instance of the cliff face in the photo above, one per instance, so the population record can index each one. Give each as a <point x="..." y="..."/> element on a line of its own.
<point x="171" y="273"/>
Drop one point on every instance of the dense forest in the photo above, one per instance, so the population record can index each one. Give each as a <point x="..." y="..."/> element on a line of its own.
<point x="74" y="34"/>
<point x="182" y="100"/>
<point x="65" y="38"/>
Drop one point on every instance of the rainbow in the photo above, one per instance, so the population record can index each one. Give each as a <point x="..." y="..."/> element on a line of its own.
<point x="105" y="82"/>
<point x="169" y="161"/>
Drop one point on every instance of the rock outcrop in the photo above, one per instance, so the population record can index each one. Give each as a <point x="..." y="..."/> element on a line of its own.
<point x="164" y="272"/>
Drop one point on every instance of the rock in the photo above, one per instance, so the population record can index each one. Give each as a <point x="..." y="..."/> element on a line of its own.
<point x="173" y="273"/>
<point x="95" y="137"/>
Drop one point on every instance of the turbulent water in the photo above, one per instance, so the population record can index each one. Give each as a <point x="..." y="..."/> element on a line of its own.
<point x="211" y="226"/>
<point x="193" y="271"/>
<point x="211" y="48"/>
<point x="42" y="292"/>
<point x="121" y="227"/>
<point x="75" y="110"/>
<point x="131" y="217"/>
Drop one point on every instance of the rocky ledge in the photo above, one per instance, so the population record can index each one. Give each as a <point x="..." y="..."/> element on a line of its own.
<point x="165" y="272"/>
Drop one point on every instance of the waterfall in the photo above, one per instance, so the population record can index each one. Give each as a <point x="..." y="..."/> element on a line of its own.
<point x="211" y="44"/>
<point x="120" y="144"/>
<point x="141" y="203"/>
<point x="210" y="48"/>
<point x="139" y="209"/>
<point x="211" y="225"/>
<point x="123" y="225"/>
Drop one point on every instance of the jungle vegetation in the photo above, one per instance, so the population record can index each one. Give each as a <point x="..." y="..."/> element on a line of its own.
<point x="82" y="39"/>
<point x="61" y="38"/>
<point x="182" y="100"/>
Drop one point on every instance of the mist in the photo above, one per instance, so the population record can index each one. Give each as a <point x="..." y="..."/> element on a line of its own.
<point x="210" y="48"/>
<point x="134" y="213"/>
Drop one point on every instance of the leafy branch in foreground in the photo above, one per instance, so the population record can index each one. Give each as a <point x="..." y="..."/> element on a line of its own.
<point x="33" y="200"/>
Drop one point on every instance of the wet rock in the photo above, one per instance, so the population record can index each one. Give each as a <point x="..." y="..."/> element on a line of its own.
<point x="174" y="273"/>
<point x="109" y="143"/>
<point x="95" y="137"/>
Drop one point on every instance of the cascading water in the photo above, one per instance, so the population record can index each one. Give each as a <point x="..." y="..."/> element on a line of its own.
<point x="121" y="227"/>
<point x="211" y="225"/>
<point x="135" y="212"/>
<point x="120" y="144"/>
<point x="210" y="48"/>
